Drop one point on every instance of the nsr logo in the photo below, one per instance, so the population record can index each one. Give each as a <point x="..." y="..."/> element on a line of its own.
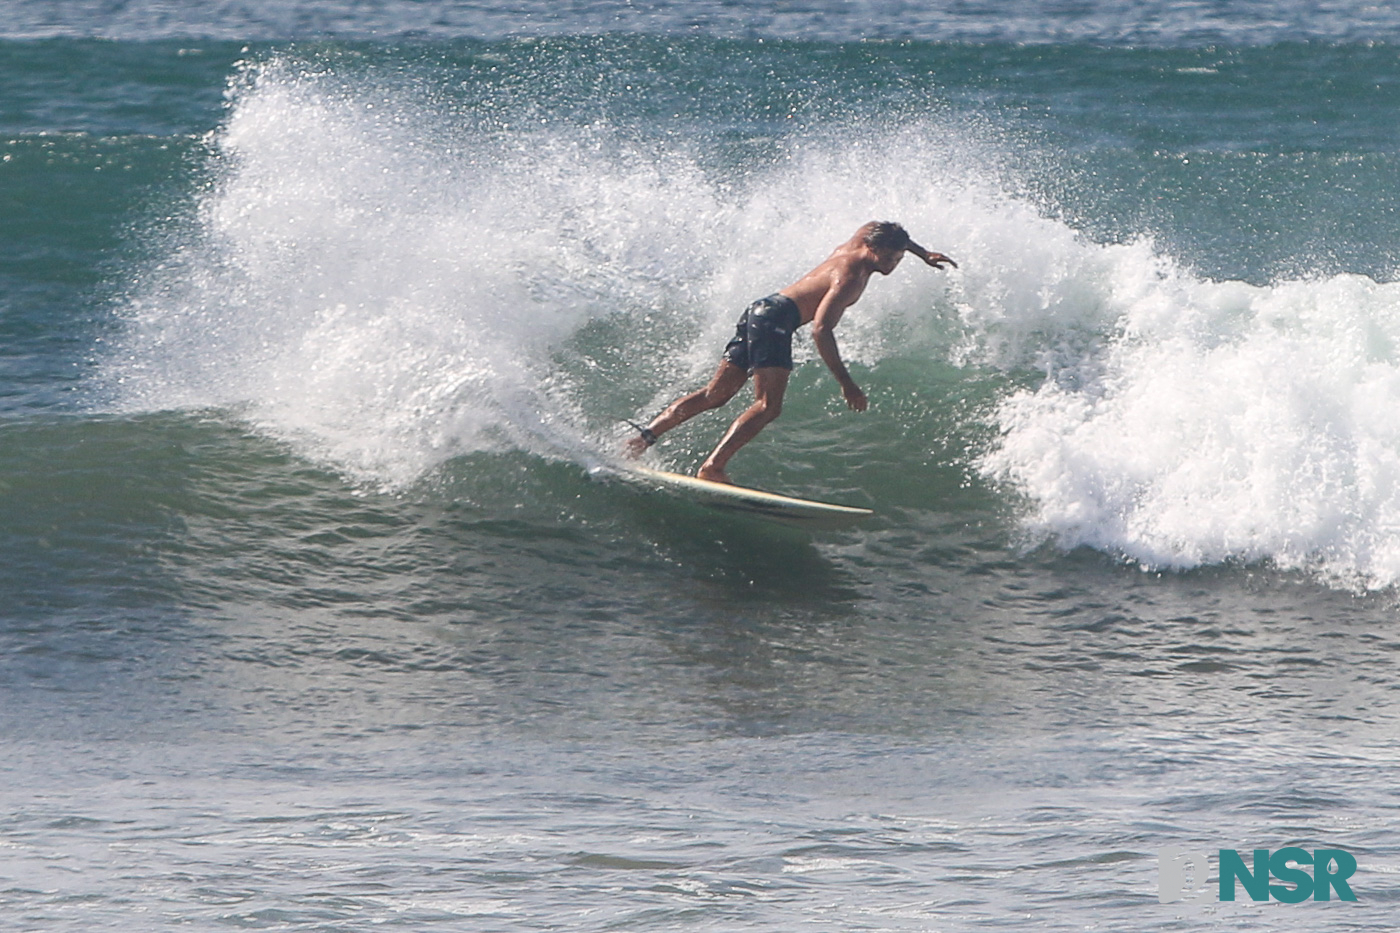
<point x="1182" y="874"/>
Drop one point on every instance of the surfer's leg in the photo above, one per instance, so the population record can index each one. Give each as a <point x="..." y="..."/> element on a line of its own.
<point x="727" y="381"/>
<point x="769" y="386"/>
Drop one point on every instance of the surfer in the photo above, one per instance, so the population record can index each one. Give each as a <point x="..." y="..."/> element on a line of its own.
<point x="762" y="343"/>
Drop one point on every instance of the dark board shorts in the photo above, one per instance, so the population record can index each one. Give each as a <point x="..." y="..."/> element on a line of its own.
<point x="763" y="336"/>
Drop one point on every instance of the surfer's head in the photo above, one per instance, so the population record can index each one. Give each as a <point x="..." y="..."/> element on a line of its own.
<point x="885" y="235"/>
<point x="888" y="240"/>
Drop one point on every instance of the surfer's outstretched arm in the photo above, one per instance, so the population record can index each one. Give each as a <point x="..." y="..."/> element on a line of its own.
<point x="929" y="256"/>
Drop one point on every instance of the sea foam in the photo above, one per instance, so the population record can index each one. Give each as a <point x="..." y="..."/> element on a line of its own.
<point x="1220" y="421"/>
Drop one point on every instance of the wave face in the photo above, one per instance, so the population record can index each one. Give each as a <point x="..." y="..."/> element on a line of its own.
<point x="388" y="270"/>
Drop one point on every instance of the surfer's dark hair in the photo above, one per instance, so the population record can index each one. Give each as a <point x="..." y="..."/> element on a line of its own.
<point x="886" y="235"/>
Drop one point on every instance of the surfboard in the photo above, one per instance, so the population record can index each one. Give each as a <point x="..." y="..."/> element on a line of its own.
<point x="802" y="513"/>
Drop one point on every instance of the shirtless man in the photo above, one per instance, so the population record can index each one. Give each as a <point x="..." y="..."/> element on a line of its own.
<point x="762" y="344"/>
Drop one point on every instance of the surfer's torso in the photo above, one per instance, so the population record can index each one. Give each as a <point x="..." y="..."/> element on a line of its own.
<point x="844" y="274"/>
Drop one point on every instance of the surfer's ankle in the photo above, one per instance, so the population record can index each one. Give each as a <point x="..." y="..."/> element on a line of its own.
<point x="636" y="446"/>
<point x="713" y="473"/>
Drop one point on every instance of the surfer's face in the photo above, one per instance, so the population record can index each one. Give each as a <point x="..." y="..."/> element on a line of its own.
<point x="886" y="260"/>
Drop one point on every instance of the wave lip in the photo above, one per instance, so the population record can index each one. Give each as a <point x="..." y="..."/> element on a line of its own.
<point x="348" y="282"/>
<point x="1223" y="422"/>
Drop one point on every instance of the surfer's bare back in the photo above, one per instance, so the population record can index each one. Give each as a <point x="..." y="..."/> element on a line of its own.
<point x="762" y="344"/>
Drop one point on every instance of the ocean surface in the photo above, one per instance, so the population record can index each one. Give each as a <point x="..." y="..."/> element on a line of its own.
<point x="322" y="606"/>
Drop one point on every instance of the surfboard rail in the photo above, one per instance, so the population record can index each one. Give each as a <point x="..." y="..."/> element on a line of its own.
<point x="789" y="510"/>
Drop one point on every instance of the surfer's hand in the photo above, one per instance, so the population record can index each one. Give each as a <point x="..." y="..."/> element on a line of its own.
<point x="855" y="398"/>
<point x="937" y="259"/>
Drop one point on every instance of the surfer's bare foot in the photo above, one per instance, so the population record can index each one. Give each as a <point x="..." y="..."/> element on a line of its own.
<point x="713" y="474"/>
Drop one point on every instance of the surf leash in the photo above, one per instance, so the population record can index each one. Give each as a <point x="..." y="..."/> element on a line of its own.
<point x="646" y="433"/>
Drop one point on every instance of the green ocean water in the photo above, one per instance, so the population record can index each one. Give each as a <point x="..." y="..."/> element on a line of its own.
<point x="318" y="607"/>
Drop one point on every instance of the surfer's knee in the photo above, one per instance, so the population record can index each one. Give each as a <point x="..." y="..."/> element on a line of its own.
<point x="768" y="409"/>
